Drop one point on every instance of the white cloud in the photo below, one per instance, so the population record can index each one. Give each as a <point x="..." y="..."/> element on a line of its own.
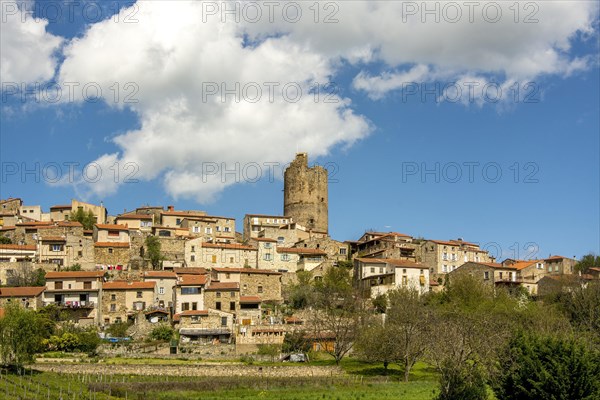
<point x="176" y="52"/>
<point x="27" y="49"/>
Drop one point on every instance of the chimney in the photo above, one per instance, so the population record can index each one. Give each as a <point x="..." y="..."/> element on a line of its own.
<point x="170" y="208"/>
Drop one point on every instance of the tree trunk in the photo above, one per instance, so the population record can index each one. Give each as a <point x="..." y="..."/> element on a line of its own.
<point x="407" y="368"/>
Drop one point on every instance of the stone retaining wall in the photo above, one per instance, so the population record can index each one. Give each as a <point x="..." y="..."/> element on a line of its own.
<point x="193" y="370"/>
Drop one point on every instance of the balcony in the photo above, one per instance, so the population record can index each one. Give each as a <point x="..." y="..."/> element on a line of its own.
<point x="71" y="304"/>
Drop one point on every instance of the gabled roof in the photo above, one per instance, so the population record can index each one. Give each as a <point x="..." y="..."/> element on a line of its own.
<point x="25" y="291"/>
<point x="61" y="206"/>
<point x="250" y="300"/>
<point x="301" y="250"/>
<point x="112" y="227"/>
<point x="190" y="271"/>
<point x="24" y="247"/>
<point x="53" y="239"/>
<point x="231" y="246"/>
<point x="223" y="286"/>
<point x="136" y="285"/>
<point x="522" y="264"/>
<point x="192" y="280"/>
<point x="135" y="216"/>
<point x="263" y="239"/>
<point x="160" y="274"/>
<point x="111" y="244"/>
<point x="397" y="263"/>
<point x="74" y="274"/>
<point x="246" y="271"/>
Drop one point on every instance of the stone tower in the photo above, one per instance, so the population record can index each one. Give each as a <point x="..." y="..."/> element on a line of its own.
<point x="305" y="196"/>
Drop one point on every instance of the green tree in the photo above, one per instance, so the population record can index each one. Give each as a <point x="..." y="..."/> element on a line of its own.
<point x="380" y="303"/>
<point x="153" y="251"/>
<point x="87" y="219"/>
<point x="588" y="261"/>
<point x="162" y="332"/>
<point x="295" y="342"/>
<point x="74" y="267"/>
<point x="21" y="335"/>
<point x="377" y="342"/>
<point x="5" y="240"/>
<point x="299" y="294"/>
<point x="269" y="349"/>
<point x="548" y="367"/>
<point x="118" y="329"/>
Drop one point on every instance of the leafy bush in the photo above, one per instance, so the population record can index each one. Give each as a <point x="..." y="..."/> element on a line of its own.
<point x="548" y="367"/>
<point x="162" y="332"/>
<point x="118" y="329"/>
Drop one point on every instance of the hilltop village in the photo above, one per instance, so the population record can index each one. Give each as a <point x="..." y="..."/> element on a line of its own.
<point x="215" y="284"/>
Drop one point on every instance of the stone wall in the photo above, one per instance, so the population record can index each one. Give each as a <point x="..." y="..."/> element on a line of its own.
<point x="119" y="255"/>
<point x="120" y="306"/>
<point x="271" y="286"/>
<point x="208" y="369"/>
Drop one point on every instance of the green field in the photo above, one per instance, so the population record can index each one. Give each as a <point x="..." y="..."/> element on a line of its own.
<point x="361" y="382"/>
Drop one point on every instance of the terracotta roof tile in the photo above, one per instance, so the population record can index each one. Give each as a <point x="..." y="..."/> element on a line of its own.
<point x="112" y="227"/>
<point x="128" y="285"/>
<point x="250" y="299"/>
<point x="74" y="274"/>
<point x="25" y="291"/>
<point x="192" y="280"/>
<point x="160" y="274"/>
<point x="24" y="247"/>
<point x="223" y="286"/>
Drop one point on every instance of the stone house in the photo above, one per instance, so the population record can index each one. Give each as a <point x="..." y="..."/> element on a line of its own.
<point x="490" y="273"/>
<point x="122" y="300"/>
<point x="111" y="233"/>
<point x="225" y="255"/>
<point x="211" y="228"/>
<point x="264" y="284"/>
<point x="170" y="232"/>
<point x="529" y="272"/>
<point x="293" y="259"/>
<point x="385" y="245"/>
<point x="30" y="297"/>
<point x="204" y="326"/>
<point x="60" y="212"/>
<point x="165" y="282"/>
<point x="112" y="255"/>
<point x="254" y="223"/>
<point x="17" y="253"/>
<point x="374" y="276"/>
<point x="189" y="293"/>
<point x="10" y="206"/>
<point x="53" y="250"/>
<point x="33" y="213"/>
<point x="78" y="292"/>
<point x="559" y="265"/>
<point x="553" y="284"/>
<point x="442" y="257"/>
<point x="143" y="222"/>
<point x="286" y="235"/>
<point x="223" y="296"/>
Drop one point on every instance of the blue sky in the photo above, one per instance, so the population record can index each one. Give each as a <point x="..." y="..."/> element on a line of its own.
<point x="547" y="148"/>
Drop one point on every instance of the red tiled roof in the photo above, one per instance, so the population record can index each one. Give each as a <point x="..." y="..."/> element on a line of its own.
<point x="69" y="223"/>
<point x="246" y="271"/>
<point x="160" y="274"/>
<point x="261" y="239"/>
<point x="192" y="280"/>
<point x="7" y="228"/>
<point x="60" y="206"/>
<point x="74" y="274"/>
<point x="23" y="247"/>
<point x="185" y="213"/>
<point x="128" y="285"/>
<point x="112" y="227"/>
<point x="53" y="239"/>
<point x="268" y="216"/>
<point x="557" y="257"/>
<point x="231" y="246"/>
<point x="392" y="261"/>
<point x="301" y="250"/>
<point x="250" y="299"/>
<point x="112" y="244"/>
<point x="190" y="271"/>
<point x="522" y="264"/>
<point x="193" y="312"/>
<point x="223" y="286"/>
<point x="25" y="291"/>
<point x="134" y="216"/>
<point x="35" y="223"/>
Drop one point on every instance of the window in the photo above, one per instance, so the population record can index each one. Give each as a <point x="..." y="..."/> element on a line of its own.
<point x="113" y="297"/>
<point x="268" y="245"/>
<point x="267" y="257"/>
<point x="343" y="251"/>
<point x="113" y="233"/>
<point x="245" y="287"/>
<point x="227" y="275"/>
<point x="231" y="294"/>
<point x="500" y="275"/>
<point x="193" y="257"/>
<point x="161" y="290"/>
<point x="194" y="305"/>
<point x="285" y="257"/>
<point x="178" y="221"/>
<point x="260" y="289"/>
<point x="193" y="249"/>
<point x="223" y="321"/>
<point x="190" y="290"/>
<point x="195" y="229"/>
<point x="138" y="295"/>
<point x="372" y="270"/>
<point x="79" y="253"/>
<point x="87" y="285"/>
<point x="58" y="285"/>
<point x="110" y="250"/>
<point x="404" y="280"/>
<point x="218" y="305"/>
<point x="232" y="306"/>
<point x="195" y="318"/>
<point x="208" y="230"/>
<point x="444" y="256"/>
<point x="218" y="294"/>
<point x="381" y="270"/>
<point x="445" y="268"/>
<point x="113" y="307"/>
<point x="226" y="229"/>
<point x="486" y="275"/>
<point x="218" y="228"/>
<point x="231" y="260"/>
<point x="214" y="259"/>
<point x="57" y="247"/>
<point x="185" y="306"/>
